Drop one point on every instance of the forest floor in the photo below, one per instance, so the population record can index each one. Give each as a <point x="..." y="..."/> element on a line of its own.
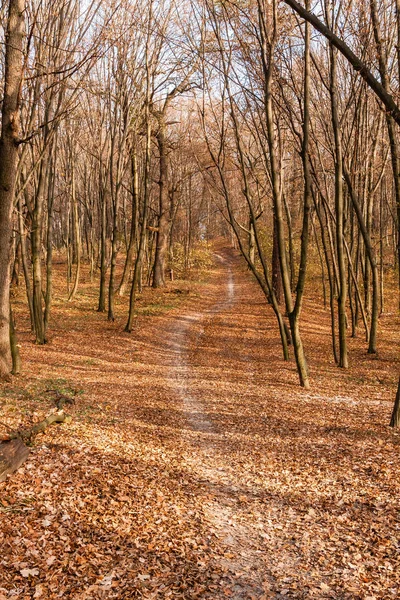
<point x="195" y="466"/>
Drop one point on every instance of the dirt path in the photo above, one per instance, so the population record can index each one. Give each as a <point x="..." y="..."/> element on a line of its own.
<point x="195" y="467"/>
<point x="191" y="332"/>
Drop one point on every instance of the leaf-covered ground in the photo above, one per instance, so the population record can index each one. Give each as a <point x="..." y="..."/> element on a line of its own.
<point x="195" y="466"/>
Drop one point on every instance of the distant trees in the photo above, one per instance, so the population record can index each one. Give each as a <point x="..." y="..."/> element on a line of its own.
<point x="131" y="131"/>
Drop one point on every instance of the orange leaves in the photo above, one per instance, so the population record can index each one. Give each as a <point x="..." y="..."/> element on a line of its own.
<point x="200" y="470"/>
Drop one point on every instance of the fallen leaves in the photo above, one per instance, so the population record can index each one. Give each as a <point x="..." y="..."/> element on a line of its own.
<point x="198" y="469"/>
<point x="29" y="572"/>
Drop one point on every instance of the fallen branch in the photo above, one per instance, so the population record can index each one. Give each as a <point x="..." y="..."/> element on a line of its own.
<point x="13" y="448"/>
<point x="27" y="434"/>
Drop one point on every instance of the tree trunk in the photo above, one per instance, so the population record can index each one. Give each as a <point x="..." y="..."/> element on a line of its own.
<point x="77" y="233"/>
<point x="339" y="213"/>
<point x="294" y="316"/>
<point x="276" y="267"/>
<point x="134" y="225"/>
<point x="114" y="253"/>
<point x="22" y="232"/>
<point x="13" y="72"/>
<point x="395" y="420"/>
<point x="164" y="210"/>
<point x="36" y="241"/>
<point x="331" y="278"/>
<point x="16" y="252"/>
<point x="49" y="245"/>
<point x="372" y="262"/>
<point x="293" y="311"/>
<point x="16" y="359"/>
<point x="252" y="243"/>
<point x="103" y="249"/>
<point x="137" y="274"/>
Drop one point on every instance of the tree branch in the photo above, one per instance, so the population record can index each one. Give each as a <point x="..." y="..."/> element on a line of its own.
<point x="354" y="60"/>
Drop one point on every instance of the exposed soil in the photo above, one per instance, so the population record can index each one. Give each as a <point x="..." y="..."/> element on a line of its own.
<point x="195" y="466"/>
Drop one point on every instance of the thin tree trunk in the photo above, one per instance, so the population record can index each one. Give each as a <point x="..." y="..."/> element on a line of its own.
<point x="36" y="241"/>
<point x="331" y="277"/>
<point x="103" y="250"/>
<point x="16" y="358"/>
<point x="357" y="294"/>
<point x="293" y="311"/>
<point x="294" y="316"/>
<point x="163" y="218"/>
<point x="49" y="244"/>
<point x="134" y="224"/>
<point x="321" y="263"/>
<point x="339" y="213"/>
<point x="291" y="238"/>
<point x="372" y="262"/>
<point x="137" y="275"/>
<point x="16" y="261"/>
<point x="381" y="259"/>
<point x="276" y="267"/>
<point x="24" y="258"/>
<point x="77" y="233"/>
<point x="114" y="253"/>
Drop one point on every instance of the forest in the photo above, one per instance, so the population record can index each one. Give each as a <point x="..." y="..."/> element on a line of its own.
<point x="199" y="299"/>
